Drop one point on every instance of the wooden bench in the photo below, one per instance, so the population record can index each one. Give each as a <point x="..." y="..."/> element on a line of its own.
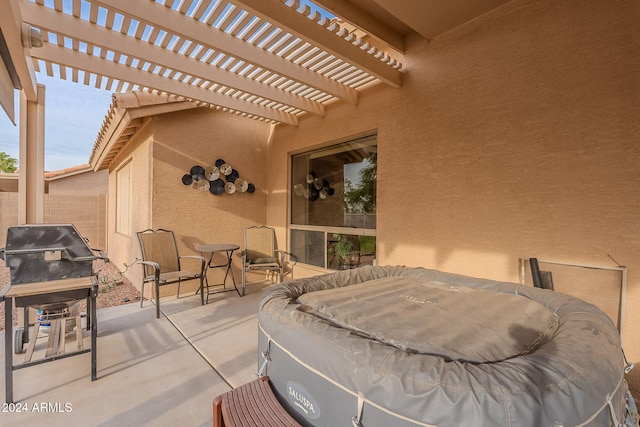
<point x="252" y="404"/>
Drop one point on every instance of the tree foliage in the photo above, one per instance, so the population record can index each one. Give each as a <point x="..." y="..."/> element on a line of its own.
<point x="361" y="198"/>
<point x="7" y="163"/>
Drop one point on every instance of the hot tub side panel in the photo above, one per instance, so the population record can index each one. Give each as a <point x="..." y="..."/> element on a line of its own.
<point x="316" y="401"/>
<point x="566" y="380"/>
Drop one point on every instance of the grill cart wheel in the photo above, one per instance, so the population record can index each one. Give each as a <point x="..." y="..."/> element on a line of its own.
<point x="18" y="343"/>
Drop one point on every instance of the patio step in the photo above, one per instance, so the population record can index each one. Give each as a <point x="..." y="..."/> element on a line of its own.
<point x="251" y="404"/>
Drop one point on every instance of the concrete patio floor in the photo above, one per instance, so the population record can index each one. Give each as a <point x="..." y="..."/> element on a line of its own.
<point x="158" y="372"/>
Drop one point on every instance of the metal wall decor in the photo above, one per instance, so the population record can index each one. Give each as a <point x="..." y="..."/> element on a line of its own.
<point x="315" y="189"/>
<point x="218" y="178"/>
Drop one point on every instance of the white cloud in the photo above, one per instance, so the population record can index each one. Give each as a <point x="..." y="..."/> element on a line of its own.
<point x="73" y="116"/>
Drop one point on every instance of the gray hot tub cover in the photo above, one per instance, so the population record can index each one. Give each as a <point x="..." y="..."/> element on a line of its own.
<point x="448" y="350"/>
<point x="420" y="315"/>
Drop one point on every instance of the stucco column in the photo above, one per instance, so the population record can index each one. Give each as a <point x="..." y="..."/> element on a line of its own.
<point x="31" y="163"/>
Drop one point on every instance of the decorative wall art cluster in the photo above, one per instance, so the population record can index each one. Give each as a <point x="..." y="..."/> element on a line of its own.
<point x="314" y="189"/>
<point x="217" y="179"/>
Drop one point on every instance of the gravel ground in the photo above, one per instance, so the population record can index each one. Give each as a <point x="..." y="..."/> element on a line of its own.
<point x="114" y="289"/>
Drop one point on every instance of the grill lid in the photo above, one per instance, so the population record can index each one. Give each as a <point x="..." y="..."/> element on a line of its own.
<point x="44" y="252"/>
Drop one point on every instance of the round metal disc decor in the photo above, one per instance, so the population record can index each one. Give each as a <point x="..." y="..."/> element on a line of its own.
<point x="216" y="187"/>
<point x="233" y="176"/>
<point x="230" y="187"/>
<point x="203" y="185"/>
<point x="197" y="172"/>
<point x="241" y="184"/>
<point x="212" y="173"/>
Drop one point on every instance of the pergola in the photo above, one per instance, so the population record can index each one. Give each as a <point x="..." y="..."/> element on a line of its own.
<point x="270" y="60"/>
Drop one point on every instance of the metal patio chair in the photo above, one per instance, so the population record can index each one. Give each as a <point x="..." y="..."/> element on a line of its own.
<point x="161" y="263"/>
<point x="261" y="254"/>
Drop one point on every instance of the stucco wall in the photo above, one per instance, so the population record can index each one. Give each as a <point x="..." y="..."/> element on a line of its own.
<point x="123" y="248"/>
<point x="167" y="147"/>
<point x="515" y="135"/>
<point x="8" y="214"/>
<point x="200" y="137"/>
<point x="83" y="209"/>
<point x="80" y="184"/>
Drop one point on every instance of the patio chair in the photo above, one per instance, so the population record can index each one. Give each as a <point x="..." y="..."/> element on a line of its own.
<point x="161" y="263"/>
<point x="261" y="254"/>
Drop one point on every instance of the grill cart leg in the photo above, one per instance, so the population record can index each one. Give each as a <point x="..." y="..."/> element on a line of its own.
<point x="25" y="326"/>
<point x="94" y="333"/>
<point x="8" y="349"/>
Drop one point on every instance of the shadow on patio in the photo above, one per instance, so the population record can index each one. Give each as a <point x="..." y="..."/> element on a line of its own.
<point x="150" y="371"/>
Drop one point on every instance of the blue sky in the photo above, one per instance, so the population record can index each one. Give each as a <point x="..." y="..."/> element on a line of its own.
<point x="73" y="116"/>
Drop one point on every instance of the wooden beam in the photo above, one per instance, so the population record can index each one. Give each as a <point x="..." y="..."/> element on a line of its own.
<point x="292" y="21"/>
<point x="199" y="32"/>
<point x="79" y="29"/>
<point x="362" y="19"/>
<point x="81" y="61"/>
<point x="31" y="181"/>
<point x="11" y="24"/>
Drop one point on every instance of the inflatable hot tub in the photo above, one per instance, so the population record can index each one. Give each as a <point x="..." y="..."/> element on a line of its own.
<point x="396" y="346"/>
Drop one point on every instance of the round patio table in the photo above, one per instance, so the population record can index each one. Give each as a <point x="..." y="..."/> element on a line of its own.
<point x="227" y="249"/>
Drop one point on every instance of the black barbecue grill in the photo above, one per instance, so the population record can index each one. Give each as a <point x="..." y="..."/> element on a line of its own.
<point x="51" y="269"/>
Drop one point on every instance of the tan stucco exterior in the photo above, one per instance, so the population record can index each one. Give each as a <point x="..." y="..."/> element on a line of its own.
<point x="79" y="184"/>
<point x="166" y="148"/>
<point x="75" y="195"/>
<point x="514" y="135"/>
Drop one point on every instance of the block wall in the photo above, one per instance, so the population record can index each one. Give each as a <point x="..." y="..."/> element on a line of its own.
<point x="87" y="213"/>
